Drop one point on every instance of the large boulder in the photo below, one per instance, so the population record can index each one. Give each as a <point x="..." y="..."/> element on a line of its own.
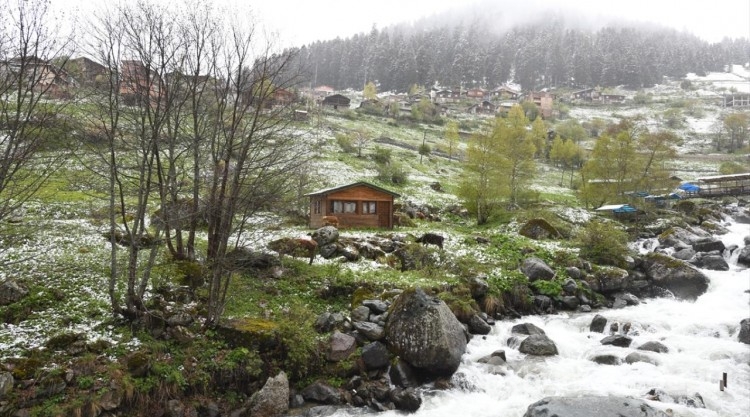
<point x="679" y="277"/>
<point x="713" y="262"/>
<point x="273" y="399"/>
<point x="538" y="345"/>
<point x="325" y="235"/>
<point x="744" y="256"/>
<point x="598" y="323"/>
<point x="340" y="346"/>
<point x="708" y="245"/>
<point x="744" y="336"/>
<point x="592" y="406"/>
<point x="10" y="292"/>
<point x="538" y="229"/>
<point x="322" y="393"/>
<point x="535" y="269"/>
<point x="423" y="331"/>
<point x="680" y="237"/>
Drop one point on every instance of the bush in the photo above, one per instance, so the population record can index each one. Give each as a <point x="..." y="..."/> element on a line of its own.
<point x="345" y="142"/>
<point x="382" y="155"/>
<point x="393" y="173"/>
<point x="603" y="243"/>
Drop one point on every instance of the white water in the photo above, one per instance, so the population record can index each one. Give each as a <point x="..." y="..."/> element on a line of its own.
<point x="701" y="337"/>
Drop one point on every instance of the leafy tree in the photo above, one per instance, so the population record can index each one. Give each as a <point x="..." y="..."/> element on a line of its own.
<point x="571" y="129"/>
<point x="361" y="140"/>
<point x="424" y="150"/>
<point x="451" y="136"/>
<point x="611" y="168"/>
<point x="731" y="167"/>
<point x="479" y="186"/>
<point x="655" y="151"/>
<point x="736" y="126"/>
<point x="517" y="164"/>
<point x="530" y="110"/>
<point x="539" y="137"/>
<point x="370" y="92"/>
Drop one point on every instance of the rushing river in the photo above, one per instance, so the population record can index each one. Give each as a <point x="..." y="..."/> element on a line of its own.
<point x="701" y="337"/>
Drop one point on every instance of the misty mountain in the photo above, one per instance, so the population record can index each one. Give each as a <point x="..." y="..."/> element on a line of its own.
<point x="486" y="48"/>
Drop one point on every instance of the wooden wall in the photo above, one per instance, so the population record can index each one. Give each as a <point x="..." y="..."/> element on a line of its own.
<point x="382" y="218"/>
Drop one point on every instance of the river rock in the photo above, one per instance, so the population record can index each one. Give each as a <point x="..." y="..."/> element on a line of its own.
<point x="692" y="401"/>
<point x="684" y="254"/>
<point x="607" y="359"/>
<point x="569" y="302"/>
<point x="326" y="322"/>
<point x="617" y="340"/>
<point x="536" y="269"/>
<point x="405" y="399"/>
<point x="679" y="277"/>
<point x="10" y="292"/>
<point x="714" y="262"/>
<point x="681" y="237"/>
<point x="360" y="313"/>
<point x="610" y="279"/>
<point x="654" y="346"/>
<point x="598" y="323"/>
<point x="479" y="287"/>
<point x="273" y="399"/>
<point x="371" y="330"/>
<point x="423" y="331"/>
<point x="376" y="306"/>
<point x="708" y="245"/>
<point x="402" y="375"/>
<point x="6" y="384"/>
<point x="322" y="393"/>
<point x="744" y="257"/>
<point x="325" y="235"/>
<point x="744" y="336"/>
<point x="478" y="326"/>
<point x="634" y="357"/>
<point x="375" y="355"/>
<point x="527" y="329"/>
<point x="574" y="272"/>
<point x="592" y="406"/>
<point x="340" y="346"/>
<point x="538" y="345"/>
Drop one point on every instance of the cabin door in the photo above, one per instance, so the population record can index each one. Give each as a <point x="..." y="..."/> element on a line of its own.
<point x="384" y="214"/>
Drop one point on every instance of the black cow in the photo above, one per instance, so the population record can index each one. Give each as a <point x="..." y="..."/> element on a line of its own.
<point x="431" y="239"/>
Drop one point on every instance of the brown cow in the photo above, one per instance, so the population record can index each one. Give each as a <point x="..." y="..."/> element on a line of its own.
<point x="331" y="221"/>
<point x="295" y="247"/>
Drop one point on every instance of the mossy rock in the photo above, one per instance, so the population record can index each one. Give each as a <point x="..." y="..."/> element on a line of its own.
<point x="191" y="273"/>
<point x="25" y="368"/>
<point x="359" y="295"/>
<point x="62" y="341"/>
<point x="402" y="219"/>
<point x="138" y="364"/>
<point x="251" y="333"/>
<point x="685" y="206"/>
<point x="539" y="229"/>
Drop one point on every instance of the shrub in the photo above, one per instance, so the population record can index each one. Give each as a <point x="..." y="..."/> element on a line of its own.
<point x="603" y="243"/>
<point x="382" y="155"/>
<point x="345" y="142"/>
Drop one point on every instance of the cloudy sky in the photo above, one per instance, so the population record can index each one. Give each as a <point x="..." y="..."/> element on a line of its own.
<point x="303" y="21"/>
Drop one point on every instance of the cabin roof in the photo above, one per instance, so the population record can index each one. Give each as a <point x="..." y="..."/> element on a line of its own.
<point x="619" y="208"/>
<point x="355" y="184"/>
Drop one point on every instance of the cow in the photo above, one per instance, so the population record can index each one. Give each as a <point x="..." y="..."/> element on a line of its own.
<point x="331" y="221"/>
<point x="431" y="239"/>
<point x="295" y="247"/>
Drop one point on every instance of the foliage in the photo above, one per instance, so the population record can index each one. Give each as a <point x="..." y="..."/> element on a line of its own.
<point x="345" y="142"/>
<point x="370" y="91"/>
<point x="451" y="137"/>
<point x="393" y="172"/>
<point x="603" y="243"/>
<point x="731" y="167"/>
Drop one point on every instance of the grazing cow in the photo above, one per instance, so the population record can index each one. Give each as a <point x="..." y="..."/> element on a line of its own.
<point x="295" y="247"/>
<point x="331" y="221"/>
<point x="431" y="239"/>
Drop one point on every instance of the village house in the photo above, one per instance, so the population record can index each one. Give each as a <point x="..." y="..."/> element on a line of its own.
<point x="45" y="77"/>
<point x="476" y="93"/>
<point x="485" y="107"/>
<point x="359" y="204"/>
<point x="336" y="101"/>
<point x="587" y="94"/>
<point x="136" y="82"/>
<point x="543" y="101"/>
<point x="446" y="96"/>
<point x="504" y="93"/>
<point x="87" y="71"/>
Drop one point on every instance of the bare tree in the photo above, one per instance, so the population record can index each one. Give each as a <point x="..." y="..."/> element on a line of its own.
<point x="194" y="128"/>
<point x="29" y="42"/>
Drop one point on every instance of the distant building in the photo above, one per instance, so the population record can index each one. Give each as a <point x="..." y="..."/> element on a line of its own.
<point x="354" y="205"/>
<point x="336" y="101"/>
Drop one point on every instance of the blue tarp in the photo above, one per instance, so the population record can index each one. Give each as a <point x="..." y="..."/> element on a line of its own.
<point x="625" y="209"/>
<point x="691" y="188"/>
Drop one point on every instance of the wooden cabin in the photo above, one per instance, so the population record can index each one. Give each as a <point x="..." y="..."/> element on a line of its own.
<point x="336" y="101"/>
<point x="355" y="205"/>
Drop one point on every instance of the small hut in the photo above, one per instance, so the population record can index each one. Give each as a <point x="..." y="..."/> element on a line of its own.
<point x="336" y="101"/>
<point x="359" y="204"/>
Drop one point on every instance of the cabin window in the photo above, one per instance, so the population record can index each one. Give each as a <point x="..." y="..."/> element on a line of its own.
<point x="317" y="206"/>
<point x="369" y="207"/>
<point x="338" y="206"/>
